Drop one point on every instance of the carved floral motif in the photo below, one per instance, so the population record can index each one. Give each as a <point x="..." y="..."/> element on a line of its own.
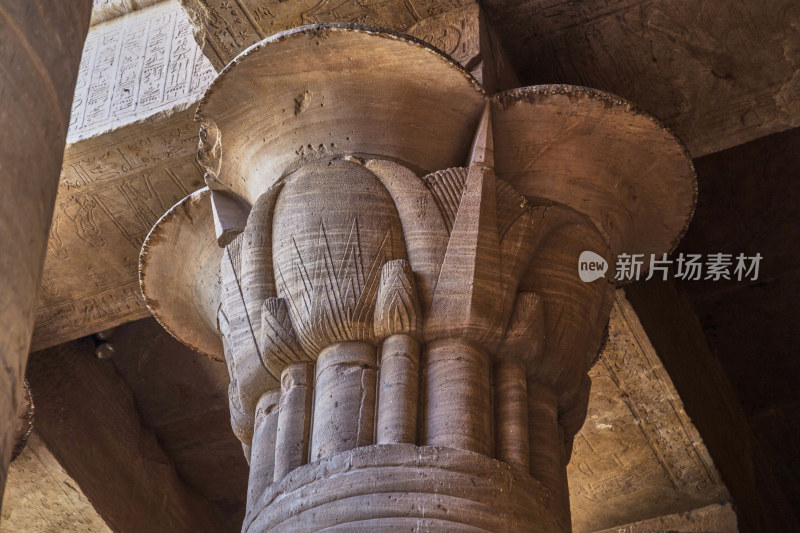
<point x="435" y="300"/>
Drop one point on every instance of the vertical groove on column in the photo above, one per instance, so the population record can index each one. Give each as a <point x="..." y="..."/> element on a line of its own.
<point x="457" y="397"/>
<point x="398" y="390"/>
<point x="546" y="443"/>
<point x="344" y="401"/>
<point x="511" y="413"/>
<point x="262" y="452"/>
<point x="561" y="507"/>
<point x="294" y="418"/>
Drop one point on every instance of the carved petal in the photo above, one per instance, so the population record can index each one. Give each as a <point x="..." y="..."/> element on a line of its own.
<point x="424" y="228"/>
<point x="257" y="278"/>
<point x="600" y="155"/>
<point x="279" y="345"/>
<point x="575" y="312"/>
<point x="179" y="274"/>
<point x="360" y="91"/>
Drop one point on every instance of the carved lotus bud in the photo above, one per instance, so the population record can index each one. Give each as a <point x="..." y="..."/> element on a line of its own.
<point x="334" y="227"/>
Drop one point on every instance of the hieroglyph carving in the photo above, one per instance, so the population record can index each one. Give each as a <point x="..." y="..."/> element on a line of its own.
<point x="113" y="188"/>
<point x="228" y="27"/>
<point x="135" y="67"/>
<point x="638" y="448"/>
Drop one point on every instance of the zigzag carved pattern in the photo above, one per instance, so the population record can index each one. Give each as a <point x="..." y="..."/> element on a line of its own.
<point x="338" y="297"/>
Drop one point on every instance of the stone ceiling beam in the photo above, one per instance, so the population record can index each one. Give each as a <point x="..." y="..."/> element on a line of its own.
<point x="638" y="455"/>
<point x="459" y="28"/>
<point x="718" y="73"/>
<point x="224" y="29"/>
<point x="41" y="496"/>
<point x="86" y="416"/>
<point x="112" y="188"/>
<point x="137" y="66"/>
<point x="713" y="518"/>
<point x="105" y="10"/>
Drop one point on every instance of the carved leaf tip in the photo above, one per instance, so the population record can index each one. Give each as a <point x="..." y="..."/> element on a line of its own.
<point x="397" y="307"/>
<point x="230" y="217"/>
<point x="279" y="344"/>
<point x="525" y="331"/>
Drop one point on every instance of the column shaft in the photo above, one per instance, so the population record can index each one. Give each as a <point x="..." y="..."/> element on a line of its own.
<point x="457" y="400"/>
<point x="294" y="419"/>
<point x="262" y="451"/>
<point x="344" y="401"/>
<point x="511" y="413"/>
<point x="42" y="44"/>
<point x="547" y="448"/>
<point x="398" y="391"/>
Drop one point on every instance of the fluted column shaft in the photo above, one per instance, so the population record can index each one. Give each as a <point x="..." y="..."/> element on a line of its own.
<point x="511" y="413"/>
<point x="262" y="451"/>
<point x="294" y="418"/>
<point x="398" y="390"/>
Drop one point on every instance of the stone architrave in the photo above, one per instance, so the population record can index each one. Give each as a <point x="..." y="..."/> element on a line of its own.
<point x="225" y="29"/>
<point x="638" y="455"/>
<point x="465" y="34"/>
<point x="140" y="76"/>
<point x="458" y="28"/>
<point x="42" y="496"/>
<point x="40" y="44"/>
<point x="380" y="197"/>
<point x="137" y="66"/>
<point x="113" y="188"/>
<point x="718" y="75"/>
<point x="714" y="518"/>
<point x="104" y="10"/>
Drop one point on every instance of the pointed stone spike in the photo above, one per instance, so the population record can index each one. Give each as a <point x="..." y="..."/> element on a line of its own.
<point x="468" y="296"/>
<point x="230" y="217"/>
<point x="482" y="151"/>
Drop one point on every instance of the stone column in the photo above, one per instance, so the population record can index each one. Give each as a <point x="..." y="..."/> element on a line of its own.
<point x="41" y="48"/>
<point x="423" y="239"/>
